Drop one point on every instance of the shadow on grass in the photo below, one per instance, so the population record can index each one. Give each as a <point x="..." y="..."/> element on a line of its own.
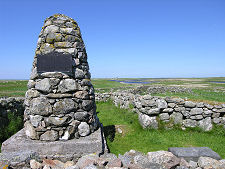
<point x="109" y="132"/>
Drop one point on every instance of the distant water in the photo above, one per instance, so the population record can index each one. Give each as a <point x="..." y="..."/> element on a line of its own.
<point x="217" y="82"/>
<point x="138" y="81"/>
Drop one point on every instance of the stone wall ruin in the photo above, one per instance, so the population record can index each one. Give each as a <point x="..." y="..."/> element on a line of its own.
<point x="60" y="105"/>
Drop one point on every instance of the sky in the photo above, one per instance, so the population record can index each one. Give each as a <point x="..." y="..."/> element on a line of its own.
<point x="123" y="38"/>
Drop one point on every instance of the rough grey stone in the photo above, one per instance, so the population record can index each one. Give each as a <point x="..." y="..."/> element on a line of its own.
<point x="154" y="111"/>
<point x="168" y="110"/>
<point x="189" y="104"/>
<point x="189" y="123"/>
<point x="34" y="73"/>
<point x="53" y="75"/>
<point x="31" y="84"/>
<point x="32" y="93"/>
<point x="64" y="106"/>
<point x="79" y="74"/>
<point x="57" y="121"/>
<point x="59" y="95"/>
<point x="51" y="29"/>
<point x="177" y="118"/>
<point x="216" y="120"/>
<point x="206" y="124"/>
<point x="83" y="129"/>
<point x="87" y="104"/>
<point x="196" y="111"/>
<point x="40" y="106"/>
<point x="221" y="110"/>
<point x="35" y="120"/>
<point x="50" y="135"/>
<point x="67" y="85"/>
<point x="207" y="162"/>
<point x="164" y="158"/>
<point x="171" y="105"/>
<point x="30" y="131"/>
<point x="193" y="153"/>
<point x="126" y="159"/>
<point x="162" y="104"/>
<point x="81" y="116"/>
<point x="23" y="146"/>
<point x="43" y="85"/>
<point x="164" y="116"/>
<point x="148" y="122"/>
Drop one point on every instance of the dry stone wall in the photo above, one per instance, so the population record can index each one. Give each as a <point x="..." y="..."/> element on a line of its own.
<point x="10" y="105"/>
<point x="153" y="109"/>
<point x="60" y="105"/>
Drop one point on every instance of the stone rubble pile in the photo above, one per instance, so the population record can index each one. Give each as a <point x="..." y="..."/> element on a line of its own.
<point x="58" y="105"/>
<point x="10" y="105"/>
<point x="152" y="109"/>
<point x="130" y="160"/>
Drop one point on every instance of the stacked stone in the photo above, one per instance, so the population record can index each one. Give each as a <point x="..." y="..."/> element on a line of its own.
<point x="177" y="111"/>
<point x="10" y="105"/>
<point x="59" y="105"/>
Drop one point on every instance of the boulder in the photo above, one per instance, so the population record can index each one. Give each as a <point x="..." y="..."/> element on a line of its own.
<point x="164" y="158"/>
<point x="206" y="124"/>
<point x="177" y="118"/>
<point x="147" y="121"/>
<point x="162" y="104"/>
<point x="208" y="163"/>
<point x="193" y="153"/>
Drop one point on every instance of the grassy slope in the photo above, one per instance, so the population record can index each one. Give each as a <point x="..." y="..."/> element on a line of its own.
<point x="134" y="137"/>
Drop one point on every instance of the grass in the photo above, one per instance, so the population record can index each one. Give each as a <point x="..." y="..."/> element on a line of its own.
<point x="134" y="137"/>
<point x="13" y="88"/>
<point x="14" y="125"/>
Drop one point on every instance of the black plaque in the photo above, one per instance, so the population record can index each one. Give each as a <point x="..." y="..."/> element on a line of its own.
<point x="55" y="62"/>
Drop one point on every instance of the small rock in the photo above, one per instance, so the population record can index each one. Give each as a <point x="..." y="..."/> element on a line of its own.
<point x="147" y="122"/>
<point x="162" y="104"/>
<point x="34" y="164"/>
<point x="30" y="131"/>
<point x="189" y="104"/>
<point x="207" y="163"/>
<point x="165" y="158"/>
<point x="115" y="163"/>
<point x="83" y="129"/>
<point x="50" y="135"/>
<point x="206" y="124"/>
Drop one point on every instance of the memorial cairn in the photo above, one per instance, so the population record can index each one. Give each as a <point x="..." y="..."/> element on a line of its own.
<point x="60" y="101"/>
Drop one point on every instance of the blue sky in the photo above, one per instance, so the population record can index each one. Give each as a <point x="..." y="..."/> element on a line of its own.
<point x="123" y="38"/>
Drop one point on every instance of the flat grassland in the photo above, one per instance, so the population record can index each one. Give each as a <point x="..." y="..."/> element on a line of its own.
<point x="133" y="136"/>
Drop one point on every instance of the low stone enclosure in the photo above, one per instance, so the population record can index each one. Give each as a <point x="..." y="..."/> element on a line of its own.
<point x="152" y="109"/>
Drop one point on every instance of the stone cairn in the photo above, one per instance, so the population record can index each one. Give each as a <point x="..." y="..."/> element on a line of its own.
<point x="59" y="105"/>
